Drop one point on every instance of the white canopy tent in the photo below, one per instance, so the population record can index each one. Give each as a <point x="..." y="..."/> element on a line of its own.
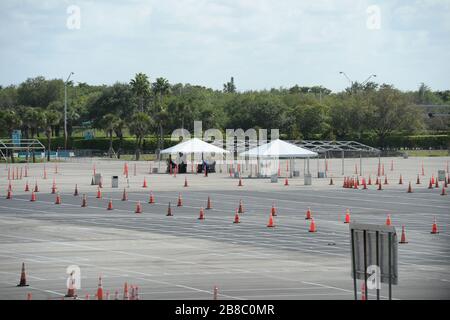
<point x="194" y="145"/>
<point x="280" y="149"/>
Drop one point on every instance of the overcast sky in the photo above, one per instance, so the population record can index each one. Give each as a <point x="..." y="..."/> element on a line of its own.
<point x="262" y="43"/>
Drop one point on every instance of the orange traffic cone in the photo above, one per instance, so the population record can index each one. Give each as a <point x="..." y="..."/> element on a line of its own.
<point x="432" y="179"/>
<point x="370" y="181"/>
<point x="379" y="186"/>
<point x="215" y="292"/>
<point x="125" y="292"/>
<point x="99" y="193"/>
<point x="152" y="198"/>
<point x="347" y="216"/>
<point x="273" y="210"/>
<point x="185" y="182"/>
<point x="271" y="223"/>
<point x="241" y="207"/>
<point x="331" y="181"/>
<point x="443" y="193"/>
<point x="312" y="226"/>
<point x="403" y="237"/>
<point x="418" y="179"/>
<point x="100" y="289"/>
<point x="385" y="180"/>
<point x="202" y="214"/>
<point x="23" y="277"/>
<point x="286" y="182"/>
<point x="364" y="184"/>
<point x="240" y="183"/>
<point x="388" y="220"/>
<point x="27" y="187"/>
<point x="434" y="227"/>
<point x="377" y="181"/>
<point x="84" y="201"/>
<point x="75" y="193"/>
<point x="33" y="196"/>
<point x="110" y="205"/>
<point x="36" y="187"/>
<point x="437" y="183"/>
<point x="363" y="292"/>
<point x="409" y="188"/>
<point x="169" y="210"/>
<point x="58" y="199"/>
<point x="180" y="201"/>
<point x="308" y="214"/>
<point x="53" y="186"/>
<point x="9" y="194"/>
<point x="124" y="195"/>
<point x="430" y="185"/>
<point x="208" y="205"/>
<point x="138" y="208"/>
<point x="400" y="181"/>
<point x="144" y="184"/>
<point x="71" y="289"/>
<point x="236" y="217"/>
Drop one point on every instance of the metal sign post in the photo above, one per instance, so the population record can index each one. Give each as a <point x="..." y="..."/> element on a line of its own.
<point x="374" y="256"/>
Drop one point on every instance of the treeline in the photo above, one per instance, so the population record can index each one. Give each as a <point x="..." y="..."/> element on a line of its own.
<point x="140" y="108"/>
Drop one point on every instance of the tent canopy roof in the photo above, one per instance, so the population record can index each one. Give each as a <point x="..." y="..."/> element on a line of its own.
<point x="194" y="145"/>
<point x="279" y="148"/>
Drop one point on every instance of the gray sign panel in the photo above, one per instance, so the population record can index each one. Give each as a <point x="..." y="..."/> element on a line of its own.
<point x="374" y="245"/>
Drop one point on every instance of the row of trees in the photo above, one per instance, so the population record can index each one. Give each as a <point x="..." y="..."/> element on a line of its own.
<point x="142" y="107"/>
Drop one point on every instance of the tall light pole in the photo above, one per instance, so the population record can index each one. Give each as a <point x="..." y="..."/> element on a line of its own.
<point x="65" y="110"/>
<point x="370" y="77"/>
<point x="351" y="82"/>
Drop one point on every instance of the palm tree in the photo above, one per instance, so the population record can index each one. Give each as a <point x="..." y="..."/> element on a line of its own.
<point x="52" y="119"/>
<point x="120" y="126"/>
<point x="140" y="86"/>
<point x="160" y="88"/>
<point x="139" y="126"/>
<point x="29" y="119"/>
<point x="10" y="120"/>
<point x="109" y="123"/>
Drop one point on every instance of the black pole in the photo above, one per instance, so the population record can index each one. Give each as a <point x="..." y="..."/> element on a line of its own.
<point x="354" y="264"/>
<point x="390" y="266"/>
<point x="365" y="265"/>
<point x="378" y="261"/>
